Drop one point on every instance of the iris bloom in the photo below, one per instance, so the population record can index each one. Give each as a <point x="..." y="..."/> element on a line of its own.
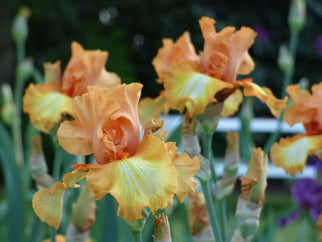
<point x="291" y="153"/>
<point x="193" y="81"/>
<point x="45" y="103"/>
<point x="138" y="174"/>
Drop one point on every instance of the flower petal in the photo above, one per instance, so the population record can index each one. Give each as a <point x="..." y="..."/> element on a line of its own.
<point x="226" y="53"/>
<point x="181" y="50"/>
<point x="186" y="86"/>
<point x="76" y="136"/>
<point x="187" y="169"/>
<point x="45" y="105"/>
<point x="152" y="108"/>
<point x="147" y="179"/>
<point x="307" y="108"/>
<point x="265" y="95"/>
<point x="86" y="67"/>
<point x="48" y="204"/>
<point x="291" y="153"/>
<point x="232" y="103"/>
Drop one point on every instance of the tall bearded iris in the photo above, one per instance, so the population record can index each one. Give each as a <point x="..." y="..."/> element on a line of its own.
<point x="138" y="174"/>
<point x="45" y="103"/>
<point x="291" y="153"/>
<point x="193" y="81"/>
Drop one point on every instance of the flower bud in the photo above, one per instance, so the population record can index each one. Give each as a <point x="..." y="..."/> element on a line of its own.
<point x="247" y="214"/>
<point x="38" y="165"/>
<point x="226" y="184"/>
<point x="25" y="69"/>
<point x="297" y="15"/>
<point x="285" y="60"/>
<point x="84" y="210"/>
<point x="190" y="140"/>
<point x="162" y="229"/>
<point x="8" y="109"/>
<point x="19" y="28"/>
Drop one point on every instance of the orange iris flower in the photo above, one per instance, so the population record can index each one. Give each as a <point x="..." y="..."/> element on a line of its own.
<point x="46" y="102"/>
<point x="291" y="153"/>
<point x="193" y="81"/>
<point x="138" y="174"/>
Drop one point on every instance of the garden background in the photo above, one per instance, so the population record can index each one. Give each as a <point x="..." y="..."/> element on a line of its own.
<point x="131" y="31"/>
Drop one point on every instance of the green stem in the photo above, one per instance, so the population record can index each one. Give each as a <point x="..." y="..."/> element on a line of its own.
<point x="137" y="236"/>
<point x="52" y="234"/>
<point x="211" y="211"/>
<point x="207" y="153"/>
<point x="223" y="209"/>
<point x="288" y="77"/>
<point x="57" y="162"/>
<point x="16" y="126"/>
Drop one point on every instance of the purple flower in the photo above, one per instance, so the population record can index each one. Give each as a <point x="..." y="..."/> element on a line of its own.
<point x="316" y="162"/>
<point x="263" y="33"/>
<point x="318" y="45"/>
<point x="308" y="194"/>
<point x="287" y="219"/>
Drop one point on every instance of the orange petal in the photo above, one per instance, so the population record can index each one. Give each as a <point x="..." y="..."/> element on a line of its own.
<point x="123" y="127"/>
<point x="76" y="137"/>
<point x="232" y="103"/>
<point x="45" y="104"/>
<point x="187" y="169"/>
<point x="186" y="86"/>
<point x="152" y="108"/>
<point x="171" y="52"/>
<point x="226" y="53"/>
<point x="48" y="204"/>
<point x="307" y="108"/>
<point x="147" y="179"/>
<point x="265" y="95"/>
<point x="291" y="153"/>
<point x="86" y="67"/>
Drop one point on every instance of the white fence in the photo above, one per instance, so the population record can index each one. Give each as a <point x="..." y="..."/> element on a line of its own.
<point x="257" y="125"/>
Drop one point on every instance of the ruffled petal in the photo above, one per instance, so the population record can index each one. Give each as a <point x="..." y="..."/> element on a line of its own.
<point x="181" y="50"/>
<point x="226" y="53"/>
<point x="265" y="95"/>
<point x="48" y="203"/>
<point x="85" y="68"/>
<point x="291" y="153"/>
<point x="186" y="168"/>
<point x="186" y="86"/>
<point x="232" y="103"/>
<point x="76" y="136"/>
<point x="307" y="108"/>
<point x="45" y="105"/>
<point x="147" y="179"/>
<point x="152" y="108"/>
<point x="121" y="131"/>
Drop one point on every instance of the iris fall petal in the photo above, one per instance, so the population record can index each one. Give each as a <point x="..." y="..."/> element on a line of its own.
<point x="45" y="105"/>
<point x="291" y="153"/>
<point x="147" y="179"/>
